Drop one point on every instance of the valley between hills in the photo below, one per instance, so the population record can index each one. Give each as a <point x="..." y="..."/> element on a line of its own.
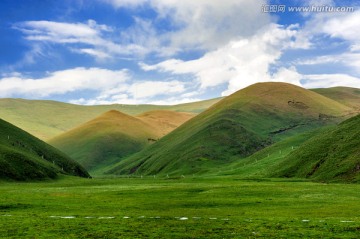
<point x="249" y="159"/>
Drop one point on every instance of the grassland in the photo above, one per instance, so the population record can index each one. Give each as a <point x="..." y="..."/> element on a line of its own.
<point x="222" y="207"/>
<point x="345" y="95"/>
<point x="46" y="119"/>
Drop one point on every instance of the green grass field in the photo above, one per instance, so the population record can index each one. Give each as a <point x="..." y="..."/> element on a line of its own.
<point x="218" y="207"/>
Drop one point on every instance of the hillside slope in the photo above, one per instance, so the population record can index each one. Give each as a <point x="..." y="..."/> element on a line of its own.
<point x="47" y="119"/>
<point x="345" y="95"/>
<point x="114" y="135"/>
<point x="24" y="157"/>
<point x="330" y="155"/>
<point x="237" y="126"/>
<point x="265" y="162"/>
<point x="164" y="121"/>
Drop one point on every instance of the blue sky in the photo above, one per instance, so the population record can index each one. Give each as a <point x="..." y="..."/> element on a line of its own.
<point x="169" y="52"/>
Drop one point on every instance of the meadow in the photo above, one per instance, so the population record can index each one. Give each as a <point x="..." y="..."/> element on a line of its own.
<point x="190" y="207"/>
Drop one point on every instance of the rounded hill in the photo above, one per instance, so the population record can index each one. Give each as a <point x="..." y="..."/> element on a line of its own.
<point x="235" y="127"/>
<point x="114" y="135"/>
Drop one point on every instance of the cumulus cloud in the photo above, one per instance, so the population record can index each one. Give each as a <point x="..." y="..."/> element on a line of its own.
<point x="195" y="25"/>
<point x="107" y="86"/>
<point x="199" y="24"/>
<point x="239" y="63"/>
<point x="62" y="82"/>
<point x="341" y="27"/>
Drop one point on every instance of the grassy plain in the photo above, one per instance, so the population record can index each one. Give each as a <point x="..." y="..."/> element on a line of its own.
<point x="191" y="207"/>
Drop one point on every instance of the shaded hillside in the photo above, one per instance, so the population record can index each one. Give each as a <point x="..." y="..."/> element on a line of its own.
<point x="24" y="157"/>
<point x="114" y="135"/>
<point x="266" y="161"/>
<point x="345" y="95"/>
<point x="47" y="119"/>
<point x="333" y="155"/>
<point x="237" y="126"/>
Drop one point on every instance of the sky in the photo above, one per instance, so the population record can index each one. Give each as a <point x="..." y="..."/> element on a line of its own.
<point x="169" y="52"/>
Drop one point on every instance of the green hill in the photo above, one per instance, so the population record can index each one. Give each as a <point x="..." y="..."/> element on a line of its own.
<point x="114" y="135"/>
<point x="24" y="157"/>
<point x="345" y="95"/>
<point x="47" y="119"/>
<point x="333" y="155"/>
<point x="265" y="161"/>
<point x="237" y="126"/>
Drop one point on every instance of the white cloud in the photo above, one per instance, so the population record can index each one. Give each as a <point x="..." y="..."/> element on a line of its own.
<point x="174" y="101"/>
<point x="98" y="54"/>
<point x="199" y="24"/>
<point x="329" y="80"/>
<point x="210" y="24"/>
<point x="124" y="3"/>
<point x="60" y="32"/>
<point x="143" y="92"/>
<point x="342" y="27"/>
<point x="148" y="89"/>
<point x="120" y="99"/>
<point x="335" y="25"/>
<point x="318" y="60"/>
<point x="349" y="59"/>
<point x="288" y="75"/>
<point x="239" y="63"/>
<point x="98" y="38"/>
<point x="62" y="82"/>
<point x="106" y="86"/>
<point x="319" y="3"/>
